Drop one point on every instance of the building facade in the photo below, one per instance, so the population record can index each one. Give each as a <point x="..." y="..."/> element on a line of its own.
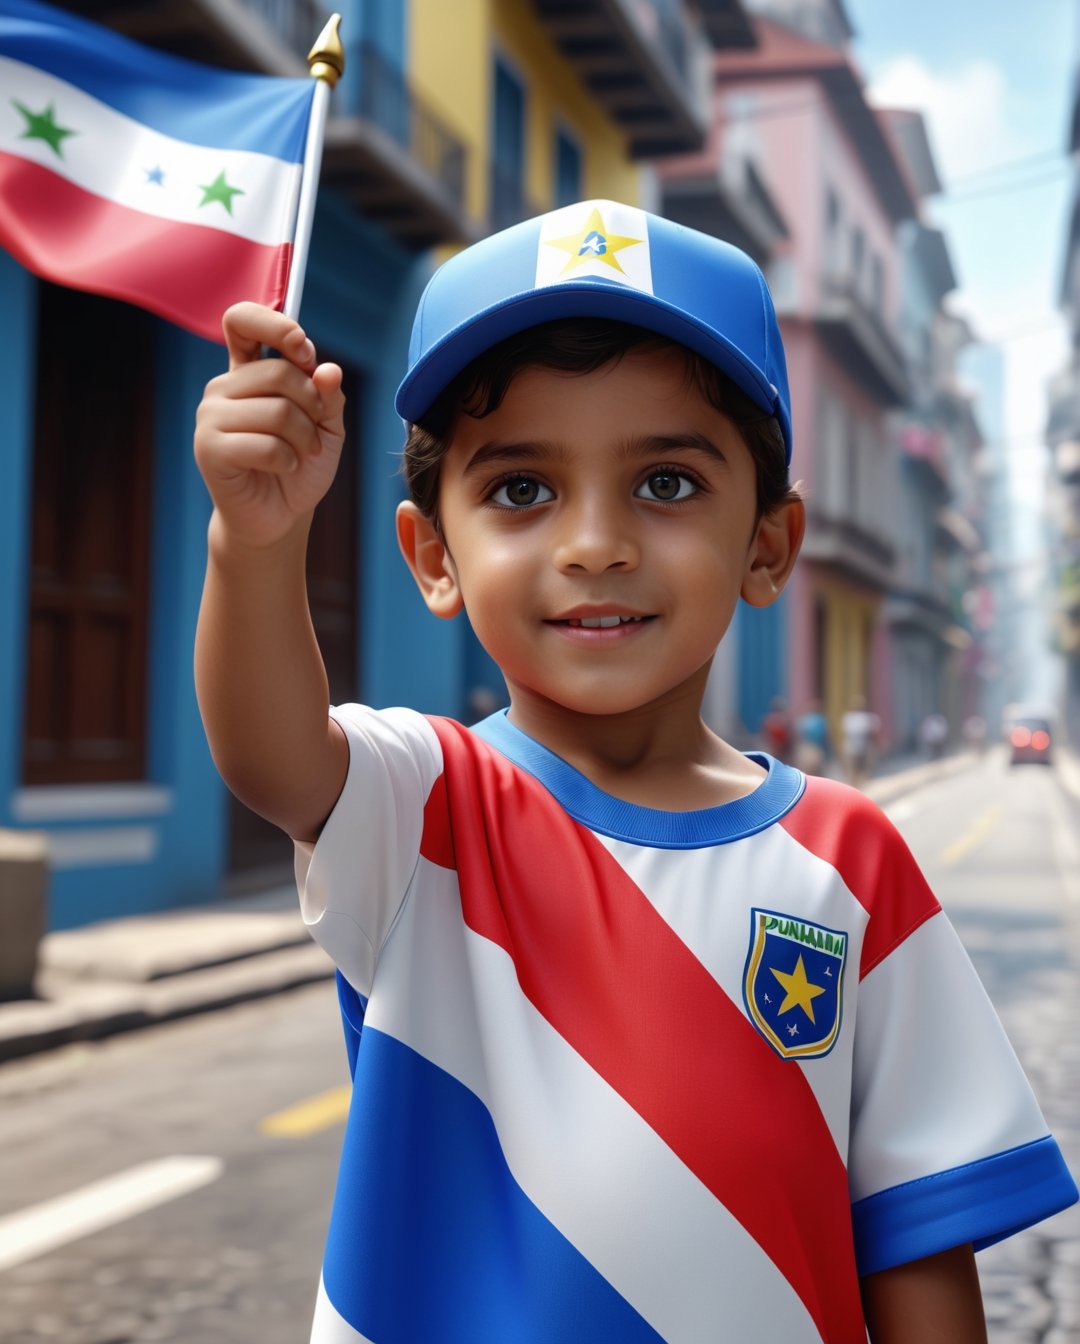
<point x="1063" y="474"/>
<point x="833" y="190"/>
<point x="450" y="121"/>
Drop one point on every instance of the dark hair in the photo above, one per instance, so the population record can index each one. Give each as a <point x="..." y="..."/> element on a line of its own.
<point x="581" y="345"/>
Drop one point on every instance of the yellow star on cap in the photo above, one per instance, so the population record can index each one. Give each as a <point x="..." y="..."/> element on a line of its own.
<point x="593" y="243"/>
<point x="800" y="992"/>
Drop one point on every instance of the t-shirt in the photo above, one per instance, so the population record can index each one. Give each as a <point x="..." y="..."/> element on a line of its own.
<point x="622" y="1074"/>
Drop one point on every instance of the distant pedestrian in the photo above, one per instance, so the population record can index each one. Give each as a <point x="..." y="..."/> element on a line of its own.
<point x="859" y="730"/>
<point x="975" y="733"/>
<point x="933" y="735"/>
<point x="812" y="746"/>
<point x="778" y="731"/>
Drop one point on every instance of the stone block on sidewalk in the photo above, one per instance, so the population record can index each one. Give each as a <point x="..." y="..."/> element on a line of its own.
<point x="24" y="879"/>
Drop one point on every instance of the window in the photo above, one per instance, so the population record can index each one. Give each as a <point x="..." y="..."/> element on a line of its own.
<point x="877" y="284"/>
<point x="567" y="169"/>
<point x="858" y="252"/>
<point x="508" y="149"/>
<point x="86" y="639"/>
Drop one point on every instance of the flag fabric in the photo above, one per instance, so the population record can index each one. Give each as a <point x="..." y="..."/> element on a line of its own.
<point x="136" y="174"/>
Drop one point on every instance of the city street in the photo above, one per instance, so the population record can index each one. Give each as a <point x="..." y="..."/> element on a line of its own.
<point x="215" y="1139"/>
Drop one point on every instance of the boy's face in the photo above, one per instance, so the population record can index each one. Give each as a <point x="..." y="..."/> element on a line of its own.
<point x="621" y="497"/>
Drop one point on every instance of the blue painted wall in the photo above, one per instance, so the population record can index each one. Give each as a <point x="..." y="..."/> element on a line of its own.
<point x="762" y="659"/>
<point x="18" y="303"/>
<point x="360" y="296"/>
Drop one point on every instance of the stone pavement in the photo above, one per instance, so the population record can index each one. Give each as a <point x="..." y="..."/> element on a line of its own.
<point x="1031" y="1283"/>
<point x="135" y="972"/>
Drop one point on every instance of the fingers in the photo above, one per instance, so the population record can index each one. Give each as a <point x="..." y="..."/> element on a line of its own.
<point x="327" y="379"/>
<point x="249" y="328"/>
<point x="270" y="433"/>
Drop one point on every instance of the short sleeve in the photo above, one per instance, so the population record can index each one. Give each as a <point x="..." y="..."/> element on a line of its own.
<point x="353" y="880"/>
<point x="948" y="1144"/>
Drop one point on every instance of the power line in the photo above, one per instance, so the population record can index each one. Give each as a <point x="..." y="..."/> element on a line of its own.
<point x="1006" y="189"/>
<point x="947" y="193"/>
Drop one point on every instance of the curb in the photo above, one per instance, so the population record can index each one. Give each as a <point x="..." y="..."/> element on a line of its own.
<point x="82" y="1010"/>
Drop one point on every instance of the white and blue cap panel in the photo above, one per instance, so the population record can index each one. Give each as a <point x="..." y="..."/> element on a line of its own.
<point x="600" y="259"/>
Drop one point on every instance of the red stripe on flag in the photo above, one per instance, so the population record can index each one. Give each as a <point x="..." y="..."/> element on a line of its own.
<point x="605" y="970"/>
<point x="187" y="273"/>
<point x="851" y="834"/>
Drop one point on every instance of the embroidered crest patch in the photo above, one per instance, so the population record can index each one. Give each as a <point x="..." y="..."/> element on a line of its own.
<point x="793" y="985"/>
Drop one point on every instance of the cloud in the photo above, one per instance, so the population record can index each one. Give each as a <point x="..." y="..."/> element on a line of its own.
<point x="966" y="111"/>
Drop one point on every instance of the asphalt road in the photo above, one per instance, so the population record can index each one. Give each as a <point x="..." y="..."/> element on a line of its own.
<point x="192" y="1165"/>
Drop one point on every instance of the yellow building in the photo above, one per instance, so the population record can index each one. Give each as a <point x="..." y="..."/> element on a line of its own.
<point x="554" y="106"/>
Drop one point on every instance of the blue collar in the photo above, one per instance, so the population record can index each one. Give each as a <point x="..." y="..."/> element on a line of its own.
<point x="776" y="795"/>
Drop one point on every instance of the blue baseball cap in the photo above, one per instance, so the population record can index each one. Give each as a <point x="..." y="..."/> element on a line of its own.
<point x="600" y="259"/>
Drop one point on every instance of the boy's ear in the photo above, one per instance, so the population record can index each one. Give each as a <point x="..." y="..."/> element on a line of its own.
<point x="430" y="562"/>
<point x="772" y="554"/>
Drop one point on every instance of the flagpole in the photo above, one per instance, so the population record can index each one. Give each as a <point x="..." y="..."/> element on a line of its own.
<point x="326" y="62"/>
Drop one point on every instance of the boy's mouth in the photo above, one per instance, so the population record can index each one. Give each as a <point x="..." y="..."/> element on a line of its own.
<point x="602" y="622"/>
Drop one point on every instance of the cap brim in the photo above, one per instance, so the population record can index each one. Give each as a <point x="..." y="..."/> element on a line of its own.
<point x="459" y="347"/>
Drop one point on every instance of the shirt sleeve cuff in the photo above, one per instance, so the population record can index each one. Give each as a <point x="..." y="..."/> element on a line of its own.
<point x="980" y="1202"/>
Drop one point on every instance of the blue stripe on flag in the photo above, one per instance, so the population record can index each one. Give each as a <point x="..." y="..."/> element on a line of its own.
<point x="220" y="109"/>
<point x="432" y="1241"/>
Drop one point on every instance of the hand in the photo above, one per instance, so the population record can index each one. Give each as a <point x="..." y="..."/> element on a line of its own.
<point x="269" y="433"/>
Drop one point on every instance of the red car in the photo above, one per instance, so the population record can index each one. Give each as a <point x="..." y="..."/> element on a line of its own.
<point x="1030" y="739"/>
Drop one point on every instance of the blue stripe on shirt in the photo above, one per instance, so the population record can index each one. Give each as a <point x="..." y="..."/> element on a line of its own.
<point x="432" y="1241"/>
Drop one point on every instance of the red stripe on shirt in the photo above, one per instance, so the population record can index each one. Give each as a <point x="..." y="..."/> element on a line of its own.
<point x="600" y="964"/>
<point x="186" y="273"/>
<point x="853" y="835"/>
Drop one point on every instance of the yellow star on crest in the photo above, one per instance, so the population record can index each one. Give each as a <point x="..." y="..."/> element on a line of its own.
<point x="593" y="243"/>
<point x="800" y="992"/>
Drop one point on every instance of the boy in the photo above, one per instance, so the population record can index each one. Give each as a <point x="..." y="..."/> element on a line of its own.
<point x="659" y="1041"/>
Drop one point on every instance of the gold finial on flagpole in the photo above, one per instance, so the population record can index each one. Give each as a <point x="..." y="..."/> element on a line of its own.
<point x="326" y="59"/>
<point x="326" y="62"/>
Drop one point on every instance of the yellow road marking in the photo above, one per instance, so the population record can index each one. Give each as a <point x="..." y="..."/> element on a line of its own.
<point x="308" y="1117"/>
<point x="971" y="840"/>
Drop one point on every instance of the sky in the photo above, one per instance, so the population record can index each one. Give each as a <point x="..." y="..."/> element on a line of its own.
<point x="994" y="79"/>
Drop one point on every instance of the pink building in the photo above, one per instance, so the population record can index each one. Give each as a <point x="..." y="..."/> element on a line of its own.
<point x="836" y="189"/>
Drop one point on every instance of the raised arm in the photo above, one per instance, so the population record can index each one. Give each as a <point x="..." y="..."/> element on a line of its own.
<point x="268" y="437"/>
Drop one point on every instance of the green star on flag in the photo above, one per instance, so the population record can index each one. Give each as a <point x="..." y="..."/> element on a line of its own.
<point x="42" y="126"/>
<point x="220" y="191"/>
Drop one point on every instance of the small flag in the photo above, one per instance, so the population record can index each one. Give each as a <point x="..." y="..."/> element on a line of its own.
<point x="136" y="174"/>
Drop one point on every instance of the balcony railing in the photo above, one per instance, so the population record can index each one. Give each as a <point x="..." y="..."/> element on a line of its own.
<point x="386" y="100"/>
<point x="645" y="64"/>
<point x="394" y="159"/>
<point x="861" y="338"/>
<point x="296" y="23"/>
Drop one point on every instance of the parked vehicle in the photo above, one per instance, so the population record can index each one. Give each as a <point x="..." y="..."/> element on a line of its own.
<point x="1030" y="736"/>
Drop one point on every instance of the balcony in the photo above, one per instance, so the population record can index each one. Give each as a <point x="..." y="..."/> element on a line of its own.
<point x="919" y="609"/>
<point x="926" y="449"/>
<point x="396" y="162"/>
<point x="849" y="549"/>
<point x="645" y="63"/>
<point x="730" y="202"/>
<point x="857" y="336"/>
<point x="385" y="152"/>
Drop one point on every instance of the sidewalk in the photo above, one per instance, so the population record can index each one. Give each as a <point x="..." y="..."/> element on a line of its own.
<point x="127" y="973"/>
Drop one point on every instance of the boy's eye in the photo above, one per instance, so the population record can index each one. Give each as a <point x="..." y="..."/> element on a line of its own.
<point x="666" y="485"/>
<point x="521" y="491"/>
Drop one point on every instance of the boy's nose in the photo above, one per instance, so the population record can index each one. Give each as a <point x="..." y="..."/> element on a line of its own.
<point x="593" y="539"/>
